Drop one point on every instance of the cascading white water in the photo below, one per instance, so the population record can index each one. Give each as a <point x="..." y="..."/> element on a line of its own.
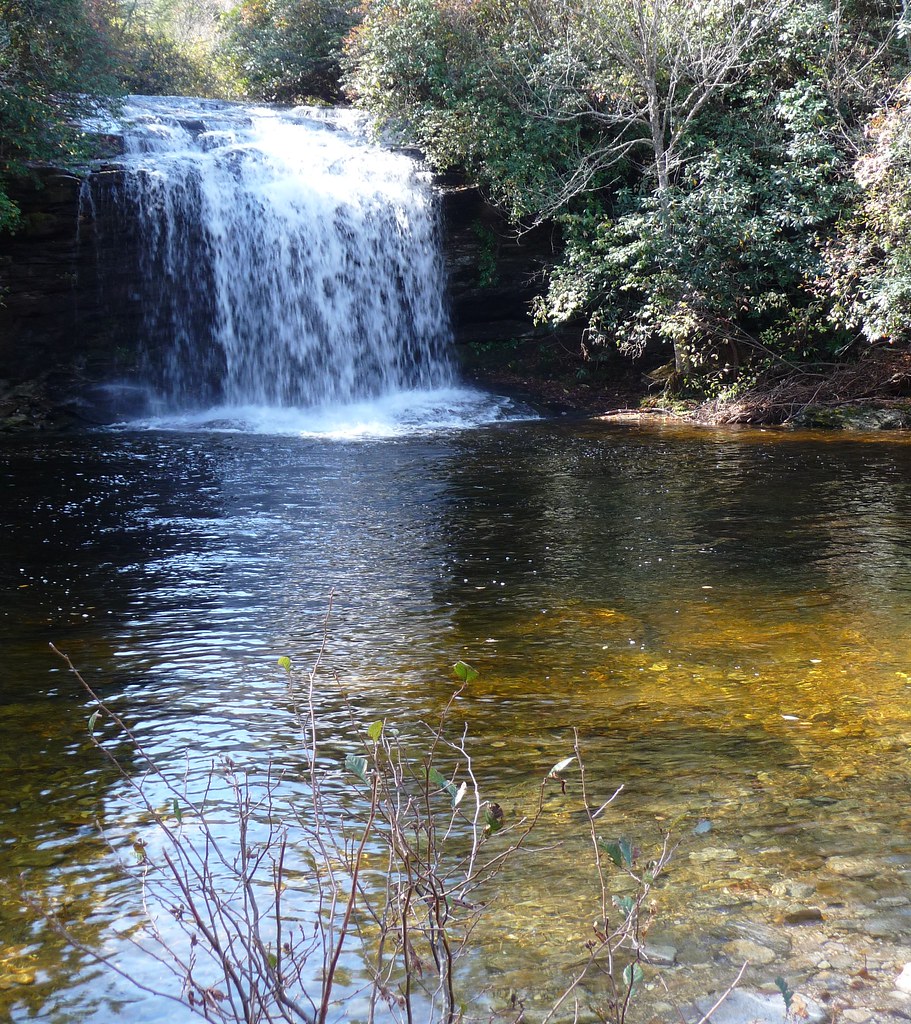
<point x="287" y="264"/>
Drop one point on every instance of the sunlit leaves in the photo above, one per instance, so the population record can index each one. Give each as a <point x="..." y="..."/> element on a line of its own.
<point x="465" y="672"/>
<point x="456" y="793"/>
<point x="561" y="767"/>
<point x="287" y="50"/>
<point x="625" y="904"/>
<point x="632" y="976"/>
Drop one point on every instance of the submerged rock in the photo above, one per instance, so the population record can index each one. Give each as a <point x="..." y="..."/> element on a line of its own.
<point x="744" y="1006"/>
<point x="854" y="867"/>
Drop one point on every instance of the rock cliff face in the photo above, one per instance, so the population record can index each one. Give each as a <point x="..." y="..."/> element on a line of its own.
<point x="69" y="320"/>
<point x="70" y="317"/>
<point x="494" y="271"/>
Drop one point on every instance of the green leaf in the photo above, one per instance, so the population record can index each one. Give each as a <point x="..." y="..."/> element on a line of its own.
<point x="357" y="765"/>
<point x="561" y="766"/>
<point x="612" y="849"/>
<point x="460" y="795"/>
<point x="620" y="851"/>
<point x="375" y="730"/>
<point x="178" y="813"/>
<point x="786" y="994"/>
<point x="625" y="904"/>
<point x="493" y="818"/>
<point x="93" y="718"/>
<point x="438" y="779"/>
<point x="284" y="662"/>
<point x="632" y="975"/>
<point x="465" y="672"/>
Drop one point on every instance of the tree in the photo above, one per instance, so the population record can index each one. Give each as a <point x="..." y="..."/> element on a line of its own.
<point x="640" y="72"/>
<point x="56" y="68"/>
<point x="166" y="46"/>
<point x="695" y="155"/>
<point x="287" y="50"/>
<point x="447" y="75"/>
<point x="716" y="267"/>
<point x="868" y="262"/>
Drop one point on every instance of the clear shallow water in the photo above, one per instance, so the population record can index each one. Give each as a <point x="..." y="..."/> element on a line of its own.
<point x="722" y="615"/>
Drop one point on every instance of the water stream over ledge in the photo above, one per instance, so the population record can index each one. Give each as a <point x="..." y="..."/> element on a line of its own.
<point x="722" y="614"/>
<point x="289" y="275"/>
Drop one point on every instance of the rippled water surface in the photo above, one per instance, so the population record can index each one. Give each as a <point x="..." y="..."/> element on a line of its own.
<point x="722" y="615"/>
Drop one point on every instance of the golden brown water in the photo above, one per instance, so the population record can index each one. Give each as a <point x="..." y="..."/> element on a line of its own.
<point x="722" y="615"/>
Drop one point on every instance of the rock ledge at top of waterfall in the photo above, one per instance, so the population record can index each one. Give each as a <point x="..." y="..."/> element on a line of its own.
<point x="287" y="264"/>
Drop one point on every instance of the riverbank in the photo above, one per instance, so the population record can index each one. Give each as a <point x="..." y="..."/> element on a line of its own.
<point x="872" y="393"/>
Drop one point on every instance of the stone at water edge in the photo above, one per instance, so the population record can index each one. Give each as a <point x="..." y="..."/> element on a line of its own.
<point x="744" y="1006"/>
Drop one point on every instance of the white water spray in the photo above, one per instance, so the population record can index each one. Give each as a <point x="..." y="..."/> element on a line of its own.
<point x="288" y="265"/>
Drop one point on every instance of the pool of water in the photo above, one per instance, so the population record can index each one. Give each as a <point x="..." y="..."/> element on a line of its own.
<point x="722" y="615"/>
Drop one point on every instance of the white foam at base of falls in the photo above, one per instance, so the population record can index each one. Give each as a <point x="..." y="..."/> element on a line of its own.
<point x="396" y="414"/>
<point x="291" y="275"/>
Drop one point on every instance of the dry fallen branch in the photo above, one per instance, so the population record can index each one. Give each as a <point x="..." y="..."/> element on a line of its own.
<point x="783" y="394"/>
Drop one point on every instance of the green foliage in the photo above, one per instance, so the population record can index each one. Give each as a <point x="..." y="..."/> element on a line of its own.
<point x="153" y="64"/>
<point x="697" y="169"/>
<point x="465" y="672"/>
<point x="56" y="67"/>
<point x="720" y="263"/>
<point x="868" y="263"/>
<point x="458" y="80"/>
<point x="357" y="765"/>
<point x="621" y="851"/>
<point x="165" y="47"/>
<point x="287" y="50"/>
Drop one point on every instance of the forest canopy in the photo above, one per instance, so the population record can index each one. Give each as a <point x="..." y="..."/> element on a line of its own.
<point x="729" y="178"/>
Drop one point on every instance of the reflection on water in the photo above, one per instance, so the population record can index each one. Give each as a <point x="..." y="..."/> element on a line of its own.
<point x="722" y="615"/>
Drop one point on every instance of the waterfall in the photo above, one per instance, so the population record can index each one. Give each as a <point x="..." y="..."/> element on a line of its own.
<point x="285" y="261"/>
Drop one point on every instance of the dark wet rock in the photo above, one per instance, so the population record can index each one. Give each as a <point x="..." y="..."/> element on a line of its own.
<point x="802" y="915"/>
<point x="494" y="270"/>
<point x="69" y="315"/>
<point x="856" y="417"/>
